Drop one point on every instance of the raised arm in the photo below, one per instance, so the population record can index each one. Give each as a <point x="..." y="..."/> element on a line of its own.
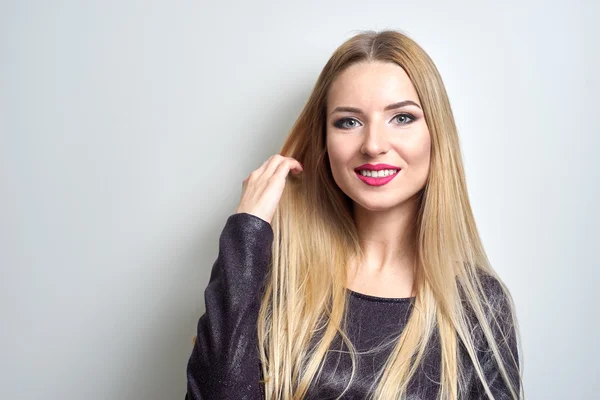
<point x="225" y="362"/>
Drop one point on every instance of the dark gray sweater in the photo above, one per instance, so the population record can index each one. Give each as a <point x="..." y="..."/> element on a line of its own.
<point x="225" y="363"/>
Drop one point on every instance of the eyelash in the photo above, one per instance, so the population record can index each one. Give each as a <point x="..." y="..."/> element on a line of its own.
<point x="340" y="122"/>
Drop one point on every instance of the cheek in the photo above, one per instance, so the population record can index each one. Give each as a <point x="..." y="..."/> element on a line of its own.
<point x="423" y="156"/>
<point x="418" y="152"/>
<point x="339" y="159"/>
<point x="338" y="154"/>
<point x="336" y="163"/>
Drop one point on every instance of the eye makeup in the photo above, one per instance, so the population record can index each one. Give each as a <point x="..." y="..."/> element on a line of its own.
<point x="339" y="123"/>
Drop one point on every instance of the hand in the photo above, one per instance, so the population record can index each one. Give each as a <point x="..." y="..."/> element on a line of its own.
<point x="262" y="189"/>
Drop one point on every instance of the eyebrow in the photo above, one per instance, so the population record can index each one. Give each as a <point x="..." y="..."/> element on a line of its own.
<point x="390" y="107"/>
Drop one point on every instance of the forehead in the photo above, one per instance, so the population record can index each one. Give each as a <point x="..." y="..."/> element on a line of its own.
<point x="371" y="85"/>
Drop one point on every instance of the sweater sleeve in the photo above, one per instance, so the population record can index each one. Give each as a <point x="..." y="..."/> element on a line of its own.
<point x="506" y="339"/>
<point x="225" y="362"/>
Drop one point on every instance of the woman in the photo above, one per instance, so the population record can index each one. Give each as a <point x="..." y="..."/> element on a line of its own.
<point x="359" y="273"/>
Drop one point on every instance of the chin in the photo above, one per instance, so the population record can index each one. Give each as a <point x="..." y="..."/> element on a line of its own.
<point x="375" y="202"/>
<point x="378" y="208"/>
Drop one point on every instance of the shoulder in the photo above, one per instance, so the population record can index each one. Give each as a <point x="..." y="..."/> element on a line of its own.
<point x="494" y="289"/>
<point x="497" y="295"/>
<point x="494" y="297"/>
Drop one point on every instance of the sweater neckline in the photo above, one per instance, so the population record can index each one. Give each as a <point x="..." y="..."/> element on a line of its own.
<point x="369" y="297"/>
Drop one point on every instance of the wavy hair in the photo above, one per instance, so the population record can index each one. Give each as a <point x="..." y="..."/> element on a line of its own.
<point x="315" y="237"/>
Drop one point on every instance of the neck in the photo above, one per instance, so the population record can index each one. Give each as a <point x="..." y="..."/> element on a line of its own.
<point x="387" y="236"/>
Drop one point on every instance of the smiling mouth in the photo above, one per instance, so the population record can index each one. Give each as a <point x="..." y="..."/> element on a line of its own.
<point x="372" y="178"/>
<point x="377" y="174"/>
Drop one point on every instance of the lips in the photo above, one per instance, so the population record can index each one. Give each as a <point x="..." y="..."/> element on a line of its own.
<point x="375" y="167"/>
<point x="376" y="181"/>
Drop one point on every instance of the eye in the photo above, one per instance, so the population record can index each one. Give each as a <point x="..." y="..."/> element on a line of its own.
<point x="340" y="123"/>
<point x="406" y="118"/>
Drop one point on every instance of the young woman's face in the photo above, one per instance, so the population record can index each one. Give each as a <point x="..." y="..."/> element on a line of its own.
<point x="377" y="130"/>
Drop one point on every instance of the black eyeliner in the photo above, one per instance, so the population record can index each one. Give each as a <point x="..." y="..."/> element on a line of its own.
<point x="340" y="121"/>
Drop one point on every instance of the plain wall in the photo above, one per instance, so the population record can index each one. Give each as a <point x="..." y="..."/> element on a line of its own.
<point x="127" y="128"/>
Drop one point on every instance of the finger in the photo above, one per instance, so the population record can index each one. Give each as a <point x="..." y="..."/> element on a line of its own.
<point x="260" y="170"/>
<point x="298" y="168"/>
<point x="287" y="166"/>
<point x="256" y="174"/>
<point x="272" y="165"/>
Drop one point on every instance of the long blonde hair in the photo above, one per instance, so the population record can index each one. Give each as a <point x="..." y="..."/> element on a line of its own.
<point x="315" y="237"/>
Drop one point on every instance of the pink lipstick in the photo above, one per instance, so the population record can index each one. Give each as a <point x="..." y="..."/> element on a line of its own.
<point x="374" y="180"/>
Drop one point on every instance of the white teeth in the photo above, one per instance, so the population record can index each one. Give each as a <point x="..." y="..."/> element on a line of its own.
<point x="378" y="174"/>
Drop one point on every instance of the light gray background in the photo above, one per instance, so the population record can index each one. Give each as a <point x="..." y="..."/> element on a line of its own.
<point x="128" y="127"/>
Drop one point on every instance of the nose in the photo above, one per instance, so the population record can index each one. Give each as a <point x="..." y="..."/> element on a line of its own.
<point x="375" y="141"/>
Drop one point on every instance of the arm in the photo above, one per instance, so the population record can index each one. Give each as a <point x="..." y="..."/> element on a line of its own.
<point x="225" y="362"/>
